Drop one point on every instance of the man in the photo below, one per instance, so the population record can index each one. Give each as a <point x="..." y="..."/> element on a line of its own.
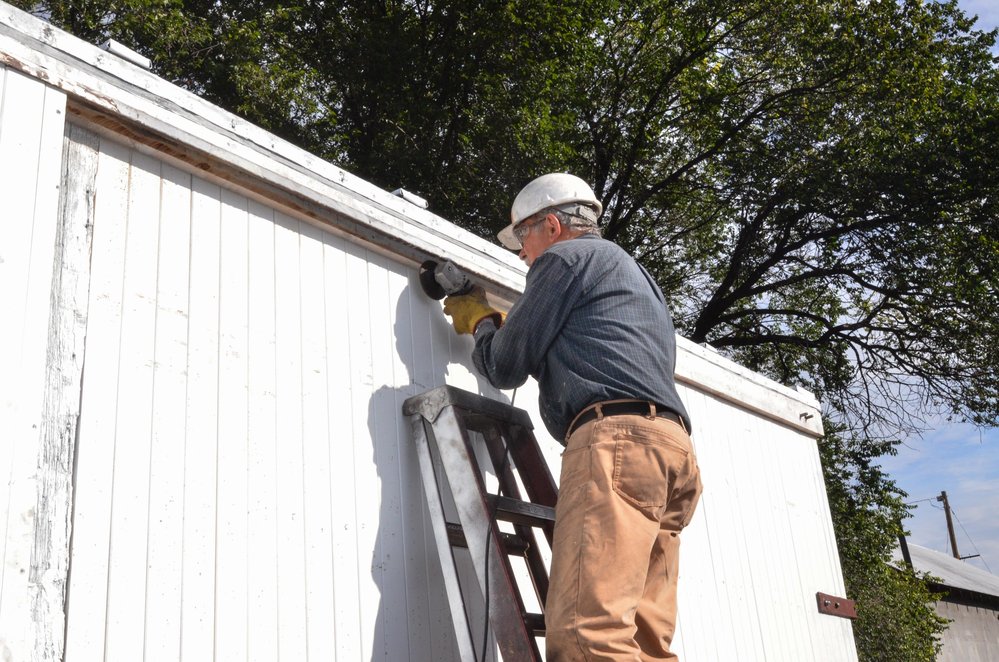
<point x="593" y="328"/>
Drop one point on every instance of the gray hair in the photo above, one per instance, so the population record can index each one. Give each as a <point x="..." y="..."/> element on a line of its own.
<point x="580" y="218"/>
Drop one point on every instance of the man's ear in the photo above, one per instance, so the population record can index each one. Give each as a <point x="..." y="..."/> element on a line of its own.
<point x="553" y="227"/>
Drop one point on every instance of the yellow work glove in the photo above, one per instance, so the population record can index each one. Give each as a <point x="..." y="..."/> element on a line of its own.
<point x="467" y="310"/>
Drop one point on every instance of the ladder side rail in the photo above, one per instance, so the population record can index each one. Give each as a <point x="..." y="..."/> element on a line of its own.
<point x="502" y="458"/>
<point x="484" y="539"/>
<point x="435" y="507"/>
<point x="533" y="466"/>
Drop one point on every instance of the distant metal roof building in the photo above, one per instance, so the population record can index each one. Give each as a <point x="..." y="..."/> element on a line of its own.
<point x="971" y="603"/>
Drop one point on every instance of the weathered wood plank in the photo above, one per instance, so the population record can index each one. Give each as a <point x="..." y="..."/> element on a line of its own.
<point x="64" y="373"/>
<point x="32" y="548"/>
<point x="24" y="300"/>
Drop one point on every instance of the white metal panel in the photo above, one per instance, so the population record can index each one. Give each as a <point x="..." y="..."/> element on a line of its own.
<point x="129" y="517"/>
<point x="31" y="129"/>
<point x="760" y="546"/>
<point x="232" y="545"/>
<point x="247" y="486"/>
<point x="200" y="416"/>
<point x="318" y="515"/>
<point x="262" y="444"/>
<point x="168" y="434"/>
<point x="289" y="460"/>
<point x="342" y="335"/>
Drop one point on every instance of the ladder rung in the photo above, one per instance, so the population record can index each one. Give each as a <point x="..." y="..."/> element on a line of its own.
<point x="512" y="543"/>
<point x="535" y="623"/>
<point x="521" y="512"/>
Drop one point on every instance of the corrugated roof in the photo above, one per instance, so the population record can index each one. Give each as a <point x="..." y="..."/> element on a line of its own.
<point x="950" y="571"/>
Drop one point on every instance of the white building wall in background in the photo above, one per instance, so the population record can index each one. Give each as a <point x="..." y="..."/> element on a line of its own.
<point x="973" y="633"/>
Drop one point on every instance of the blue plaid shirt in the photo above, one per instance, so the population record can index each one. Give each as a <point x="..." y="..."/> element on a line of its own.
<point x="591" y="326"/>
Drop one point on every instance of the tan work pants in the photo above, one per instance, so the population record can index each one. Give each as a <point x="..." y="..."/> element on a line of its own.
<point x="628" y="485"/>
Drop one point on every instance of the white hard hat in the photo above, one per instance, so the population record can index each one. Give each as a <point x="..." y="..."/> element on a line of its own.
<point x="556" y="189"/>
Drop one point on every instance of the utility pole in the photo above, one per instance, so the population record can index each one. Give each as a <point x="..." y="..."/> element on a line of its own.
<point x="950" y="525"/>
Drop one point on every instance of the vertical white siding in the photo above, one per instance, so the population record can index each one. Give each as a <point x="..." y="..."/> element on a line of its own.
<point x="760" y="546"/>
<point x="31" y="129"/>
<point x="262" y="444"/>
<point x="246" y="487"/>
<point x="167" y="432"/>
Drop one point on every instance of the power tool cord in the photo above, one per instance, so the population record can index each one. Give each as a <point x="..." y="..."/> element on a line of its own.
<point x="489" y="533"/>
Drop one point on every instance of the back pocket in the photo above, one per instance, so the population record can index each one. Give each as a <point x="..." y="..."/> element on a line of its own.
<point x="642" y="471"/>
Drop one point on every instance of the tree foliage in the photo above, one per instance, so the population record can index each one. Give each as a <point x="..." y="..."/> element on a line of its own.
<point x="814" y="183"/>
<point x="895" y="618"/>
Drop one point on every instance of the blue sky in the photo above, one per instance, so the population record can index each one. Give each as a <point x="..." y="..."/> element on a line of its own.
<point x="957" y="458"/>
<point x="986" y="10"/>
<point x="964" y="461"/>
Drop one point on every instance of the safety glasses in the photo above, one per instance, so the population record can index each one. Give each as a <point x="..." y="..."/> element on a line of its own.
<point x="521" y="231"/>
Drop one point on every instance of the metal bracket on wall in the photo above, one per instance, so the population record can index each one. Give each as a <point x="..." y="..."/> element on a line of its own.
<point x="834" y="606"/>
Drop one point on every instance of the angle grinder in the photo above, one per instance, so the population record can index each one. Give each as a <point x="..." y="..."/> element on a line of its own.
<point x="442" y="279"/>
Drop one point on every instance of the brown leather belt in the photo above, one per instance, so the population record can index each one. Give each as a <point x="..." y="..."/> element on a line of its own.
<point x="619" y="408"/>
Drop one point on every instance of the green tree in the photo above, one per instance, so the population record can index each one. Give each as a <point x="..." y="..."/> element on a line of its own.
<point x="895" y="619"/>
<point x="813" y="183"/>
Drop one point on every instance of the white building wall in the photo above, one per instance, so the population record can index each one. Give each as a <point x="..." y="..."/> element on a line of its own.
<point x="246" y="487"/>
<point x="760" y="545"/>
<point x="973" y="633"/>
<point x="31" y="129"/>
<point x="245" y="484"/>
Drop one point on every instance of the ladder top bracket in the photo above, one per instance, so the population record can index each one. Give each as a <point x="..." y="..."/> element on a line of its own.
<point x="430" y="403"/>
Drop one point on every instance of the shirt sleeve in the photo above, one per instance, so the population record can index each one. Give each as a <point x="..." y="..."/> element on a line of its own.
<point x="508" y="355"/>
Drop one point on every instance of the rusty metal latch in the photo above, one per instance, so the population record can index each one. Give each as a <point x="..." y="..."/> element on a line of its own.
<point x="834" y="606"/>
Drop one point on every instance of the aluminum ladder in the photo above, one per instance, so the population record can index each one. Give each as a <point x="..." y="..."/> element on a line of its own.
<point x="460" y="436"/>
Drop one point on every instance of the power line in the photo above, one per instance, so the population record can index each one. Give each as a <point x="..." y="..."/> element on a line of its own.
<point x="954" y="512"/>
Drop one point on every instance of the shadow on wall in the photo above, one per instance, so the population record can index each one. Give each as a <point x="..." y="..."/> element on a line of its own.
<point x="413" y="621"/>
